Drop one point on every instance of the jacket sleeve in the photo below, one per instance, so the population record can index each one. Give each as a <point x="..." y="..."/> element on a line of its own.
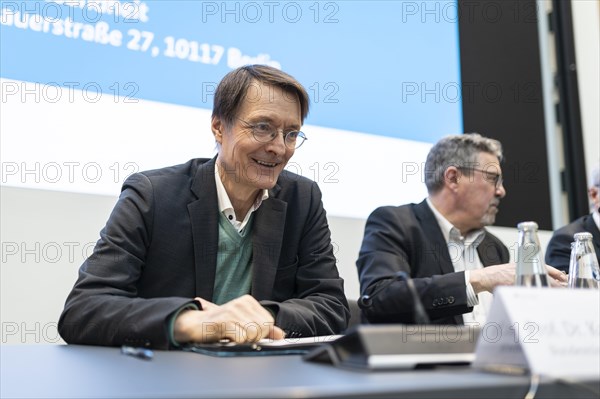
<point x="558" y="252"/>
<point x="318" y="305"/>
<point x="391" y="244"/>
<point x="104" y="307"/>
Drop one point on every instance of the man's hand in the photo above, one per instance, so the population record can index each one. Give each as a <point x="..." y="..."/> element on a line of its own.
<point x="488" y="278"/>
<point x="240" y="320"/>
<point x="558" y="278"/>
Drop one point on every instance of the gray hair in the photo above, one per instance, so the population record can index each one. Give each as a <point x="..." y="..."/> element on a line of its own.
<point x="461" y="151"/>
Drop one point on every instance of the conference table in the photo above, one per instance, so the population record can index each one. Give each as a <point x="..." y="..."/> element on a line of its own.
<point x="73" y="371"/>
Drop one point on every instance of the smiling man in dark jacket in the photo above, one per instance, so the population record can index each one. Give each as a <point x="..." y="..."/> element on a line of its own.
<point x="229" y="248"/>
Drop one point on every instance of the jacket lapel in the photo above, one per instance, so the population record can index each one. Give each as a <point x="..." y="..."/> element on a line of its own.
<point x="204" y="214"/>
<point x="267" y="237"/>
<point x="487" y="256"/>
<point x="435" y="249"/>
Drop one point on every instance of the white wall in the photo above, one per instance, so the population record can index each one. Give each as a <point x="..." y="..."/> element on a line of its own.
<point x="46" y="235"/>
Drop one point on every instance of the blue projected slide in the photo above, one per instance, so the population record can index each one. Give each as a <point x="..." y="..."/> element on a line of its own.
<point x="125" y="76"/>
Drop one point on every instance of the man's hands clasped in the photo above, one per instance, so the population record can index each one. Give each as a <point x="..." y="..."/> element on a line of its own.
<point x="241" y="320"/>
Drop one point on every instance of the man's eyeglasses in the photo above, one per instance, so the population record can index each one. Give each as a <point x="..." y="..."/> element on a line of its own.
<point x="264" y="132"/>
<point x="495" y="178"/>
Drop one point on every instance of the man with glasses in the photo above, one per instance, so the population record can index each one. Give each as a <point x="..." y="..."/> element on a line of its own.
<point x="230" y="248"/>
<point x="558" y="252"/>
<point x="441" y="243"/>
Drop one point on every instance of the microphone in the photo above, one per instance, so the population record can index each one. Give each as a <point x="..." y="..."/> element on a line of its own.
<point x="366" y="301"/>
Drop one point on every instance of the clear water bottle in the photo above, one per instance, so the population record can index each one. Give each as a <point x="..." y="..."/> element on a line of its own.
<point x="531" y="269"/>
<point x="572" y="262"/>
<point x="583" y="266"/>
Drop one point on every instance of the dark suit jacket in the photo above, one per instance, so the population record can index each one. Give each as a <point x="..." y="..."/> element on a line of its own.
<point x="558" y="252"/>
<point x="158" y="250"/>
<point x="408" y="238"/>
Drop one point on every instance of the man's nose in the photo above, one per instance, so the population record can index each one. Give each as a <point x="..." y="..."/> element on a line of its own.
<point x="277" y="145"/>
<point x="501" y="191"/>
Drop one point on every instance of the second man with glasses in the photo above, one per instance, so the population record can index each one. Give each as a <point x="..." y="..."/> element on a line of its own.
<point x="442" y="242"/>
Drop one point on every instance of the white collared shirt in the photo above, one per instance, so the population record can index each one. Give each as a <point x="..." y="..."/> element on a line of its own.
<point x="226" y="208"/>
<point x="464" y="257"/>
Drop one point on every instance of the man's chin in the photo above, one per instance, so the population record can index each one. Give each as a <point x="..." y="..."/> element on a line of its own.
<point x="264" y="180"/>
<point x="266" y="183"/>
<point x="488" y="220"/>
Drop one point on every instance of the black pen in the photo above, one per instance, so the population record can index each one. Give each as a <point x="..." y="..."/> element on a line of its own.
<point x="142" y="353"/>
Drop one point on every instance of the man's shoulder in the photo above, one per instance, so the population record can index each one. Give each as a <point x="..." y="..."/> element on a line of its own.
<point x="397" y="217"/>
<point x="170" y="179"/>
<point x="575" y="226"/>
<point x="401" y="211"/>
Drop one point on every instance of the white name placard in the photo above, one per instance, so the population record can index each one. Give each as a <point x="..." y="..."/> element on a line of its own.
<point x="553" y="332"/>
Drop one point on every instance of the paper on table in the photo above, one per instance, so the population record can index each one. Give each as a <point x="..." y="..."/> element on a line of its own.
<point x="265" y="347"/>
<point x="323" y="339"/>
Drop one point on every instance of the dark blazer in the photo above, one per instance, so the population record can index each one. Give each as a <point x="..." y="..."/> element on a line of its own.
<point x="558" y="252"/>
<point x="408" y="238"/>
<point x="158" y="250"/>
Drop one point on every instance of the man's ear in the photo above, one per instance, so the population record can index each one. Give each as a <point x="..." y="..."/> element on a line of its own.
<point x="217" y="128"/>
<point x="451" y="177"/>
<point x="594" y="196"/>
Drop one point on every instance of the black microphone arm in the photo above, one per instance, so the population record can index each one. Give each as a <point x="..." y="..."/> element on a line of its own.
<point x="366" y="301"/>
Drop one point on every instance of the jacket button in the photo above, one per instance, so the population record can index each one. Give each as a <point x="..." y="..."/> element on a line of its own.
<point x="450" y="299"/>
